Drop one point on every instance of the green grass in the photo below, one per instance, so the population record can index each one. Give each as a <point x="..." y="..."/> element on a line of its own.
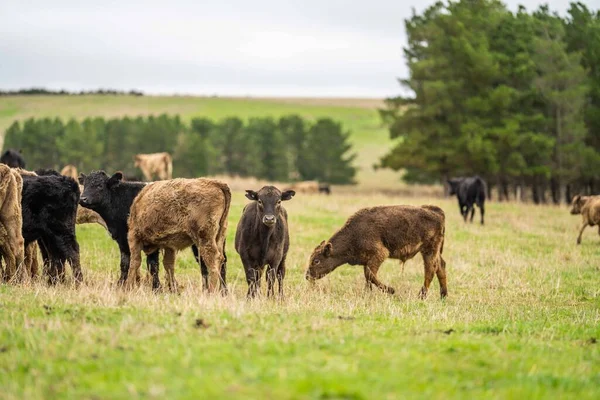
<point x="521" y="320"/>
<point x="359" y="116"/>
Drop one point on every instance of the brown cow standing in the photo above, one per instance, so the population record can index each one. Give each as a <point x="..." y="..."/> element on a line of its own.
<point x="374" y="234"/>
<point x="589" y="208"/>
<point x="175" y="214"/>
<point x="70" y="171"/>
<point x="11" y="221"/>
<point x="160" y="164"/>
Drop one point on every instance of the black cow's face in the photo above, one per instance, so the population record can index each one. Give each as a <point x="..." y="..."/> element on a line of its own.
<point x="453" y="185"/>
<point x="96" y="188"/>
<point x="269" y="200"/>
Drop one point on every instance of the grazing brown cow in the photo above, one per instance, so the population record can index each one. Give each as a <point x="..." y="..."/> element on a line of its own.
<point x="175" y="214"/>
<point x="589" y="208"/>
<point x="11" y="222"/>
<point x="310" y="187"/>
<point x="374" y="234"/>
<point x="160" y="164"/>
<point x="70" y="171"/>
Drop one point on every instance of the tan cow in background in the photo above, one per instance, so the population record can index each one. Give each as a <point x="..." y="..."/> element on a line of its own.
<point x="160" y="164"/>
<point x="589" y="208"/>
<point x="70" y="171"/>
<point x="310" y="187"/>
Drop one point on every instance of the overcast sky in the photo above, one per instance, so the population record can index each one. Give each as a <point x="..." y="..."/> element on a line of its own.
<point x="231" y="47"/>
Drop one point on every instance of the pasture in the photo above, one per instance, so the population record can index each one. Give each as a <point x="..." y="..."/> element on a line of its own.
<point x="522" y="319"/>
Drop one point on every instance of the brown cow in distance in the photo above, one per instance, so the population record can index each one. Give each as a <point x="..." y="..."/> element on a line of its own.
<point x="374" y="234"/>
<point x="160" y="164"/>
<point x="70" y="171"/>
<point x="589" y="208"/>
<point x="310" y="187"/>
<point x="176" y="214"/>
<point x="12" y="248"/>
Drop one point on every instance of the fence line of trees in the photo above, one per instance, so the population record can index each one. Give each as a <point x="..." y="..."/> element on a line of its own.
<point x="290" y="148"/>
<point x="39" y="91"/>
<point x="513" y="97"/>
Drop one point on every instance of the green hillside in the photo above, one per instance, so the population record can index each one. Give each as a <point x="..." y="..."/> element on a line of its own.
<point x="359" y="116"/>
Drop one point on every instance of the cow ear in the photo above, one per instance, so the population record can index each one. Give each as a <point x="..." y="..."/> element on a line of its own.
<point x="251" y="195"/>
<point x="116" y="178"/>
<point x="287" y="195"/>
<point x="82" y="178"/>
<point x="327" y="249"/>
<point x="576" y="198"/>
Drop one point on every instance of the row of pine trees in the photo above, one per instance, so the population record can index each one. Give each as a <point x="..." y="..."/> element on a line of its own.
<point x="511" y="96"/>
<point x="290" y="148"/>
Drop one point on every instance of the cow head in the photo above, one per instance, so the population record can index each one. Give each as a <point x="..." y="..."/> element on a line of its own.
<point x="321" y="261"/>
<point x="268" y="201"/>
<point x="578" y="202"/>
<point x="96" y="188"/>
<point x="453" y="184"/>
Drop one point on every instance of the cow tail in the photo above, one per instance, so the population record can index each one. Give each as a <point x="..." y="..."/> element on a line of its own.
<point x="169" y="161"/>
<point x="481" y="194"/>
<point x="223" y="221"/>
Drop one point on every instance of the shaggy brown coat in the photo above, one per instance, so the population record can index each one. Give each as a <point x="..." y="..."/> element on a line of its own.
<point x="11" y="222"/>
<point x="589" y="208"/>
<point x="374" y="234"/>
<point x="175" y="214"/>
<point x="70" y="171"/>
<point x="160" y="164"/>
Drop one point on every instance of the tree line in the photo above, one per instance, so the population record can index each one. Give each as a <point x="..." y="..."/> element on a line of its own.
<point x="511" y="96"/>
<point x="48" y="92"/>
<point x="288" y="148"/>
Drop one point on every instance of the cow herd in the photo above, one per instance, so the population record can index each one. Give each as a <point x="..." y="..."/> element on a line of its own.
<point x="41" y="209"/>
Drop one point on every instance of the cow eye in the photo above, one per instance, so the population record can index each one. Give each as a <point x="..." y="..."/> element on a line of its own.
<point x="260" y="202"/>
<point x="278" y="201"/>
<point x="316" y="261"/>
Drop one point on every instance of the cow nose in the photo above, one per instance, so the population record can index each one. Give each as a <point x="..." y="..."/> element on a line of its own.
<point x="83" y="200"/>
<point x="269" y="220"/>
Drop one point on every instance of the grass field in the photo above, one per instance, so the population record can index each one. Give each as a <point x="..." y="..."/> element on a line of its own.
<point x="522" y="320"/>
<point x="359" y="116"/>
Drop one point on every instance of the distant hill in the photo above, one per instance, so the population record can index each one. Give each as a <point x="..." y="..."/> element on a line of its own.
<point x="369" y="137"/>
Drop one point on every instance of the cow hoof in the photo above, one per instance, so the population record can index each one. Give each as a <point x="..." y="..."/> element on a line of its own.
<point x="390" y="290"/>
<point x="443" y="294"/>
<point x="423" y="294"/>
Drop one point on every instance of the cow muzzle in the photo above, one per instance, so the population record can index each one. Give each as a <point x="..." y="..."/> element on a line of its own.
<point x="269" y="220"/>
<point x="83" y="201"/>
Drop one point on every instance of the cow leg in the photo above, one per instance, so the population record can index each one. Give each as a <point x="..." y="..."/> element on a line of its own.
<point x="371" y="270"/>
<point x="368" y="285"/>
<point x="441" y="275"/>
<point x="581" y="232"/>
<point x="153" y="267"/>
<point x="481" y="211"/>
<point x="135" y="260"/>
<point x="280" y="276"/>
<point x="270" y="280"/>
<point x="472" y="213"/>
<point x="203" y="268"/>
<point x="224" y="273"/>
<point x="430" y="262"/>
<point x="211" y="254"/>
<point x="169" y="263"/>
<point x="9" y="259"/>
<point x="72" y="255"/>
<point x="31" y="259"/>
